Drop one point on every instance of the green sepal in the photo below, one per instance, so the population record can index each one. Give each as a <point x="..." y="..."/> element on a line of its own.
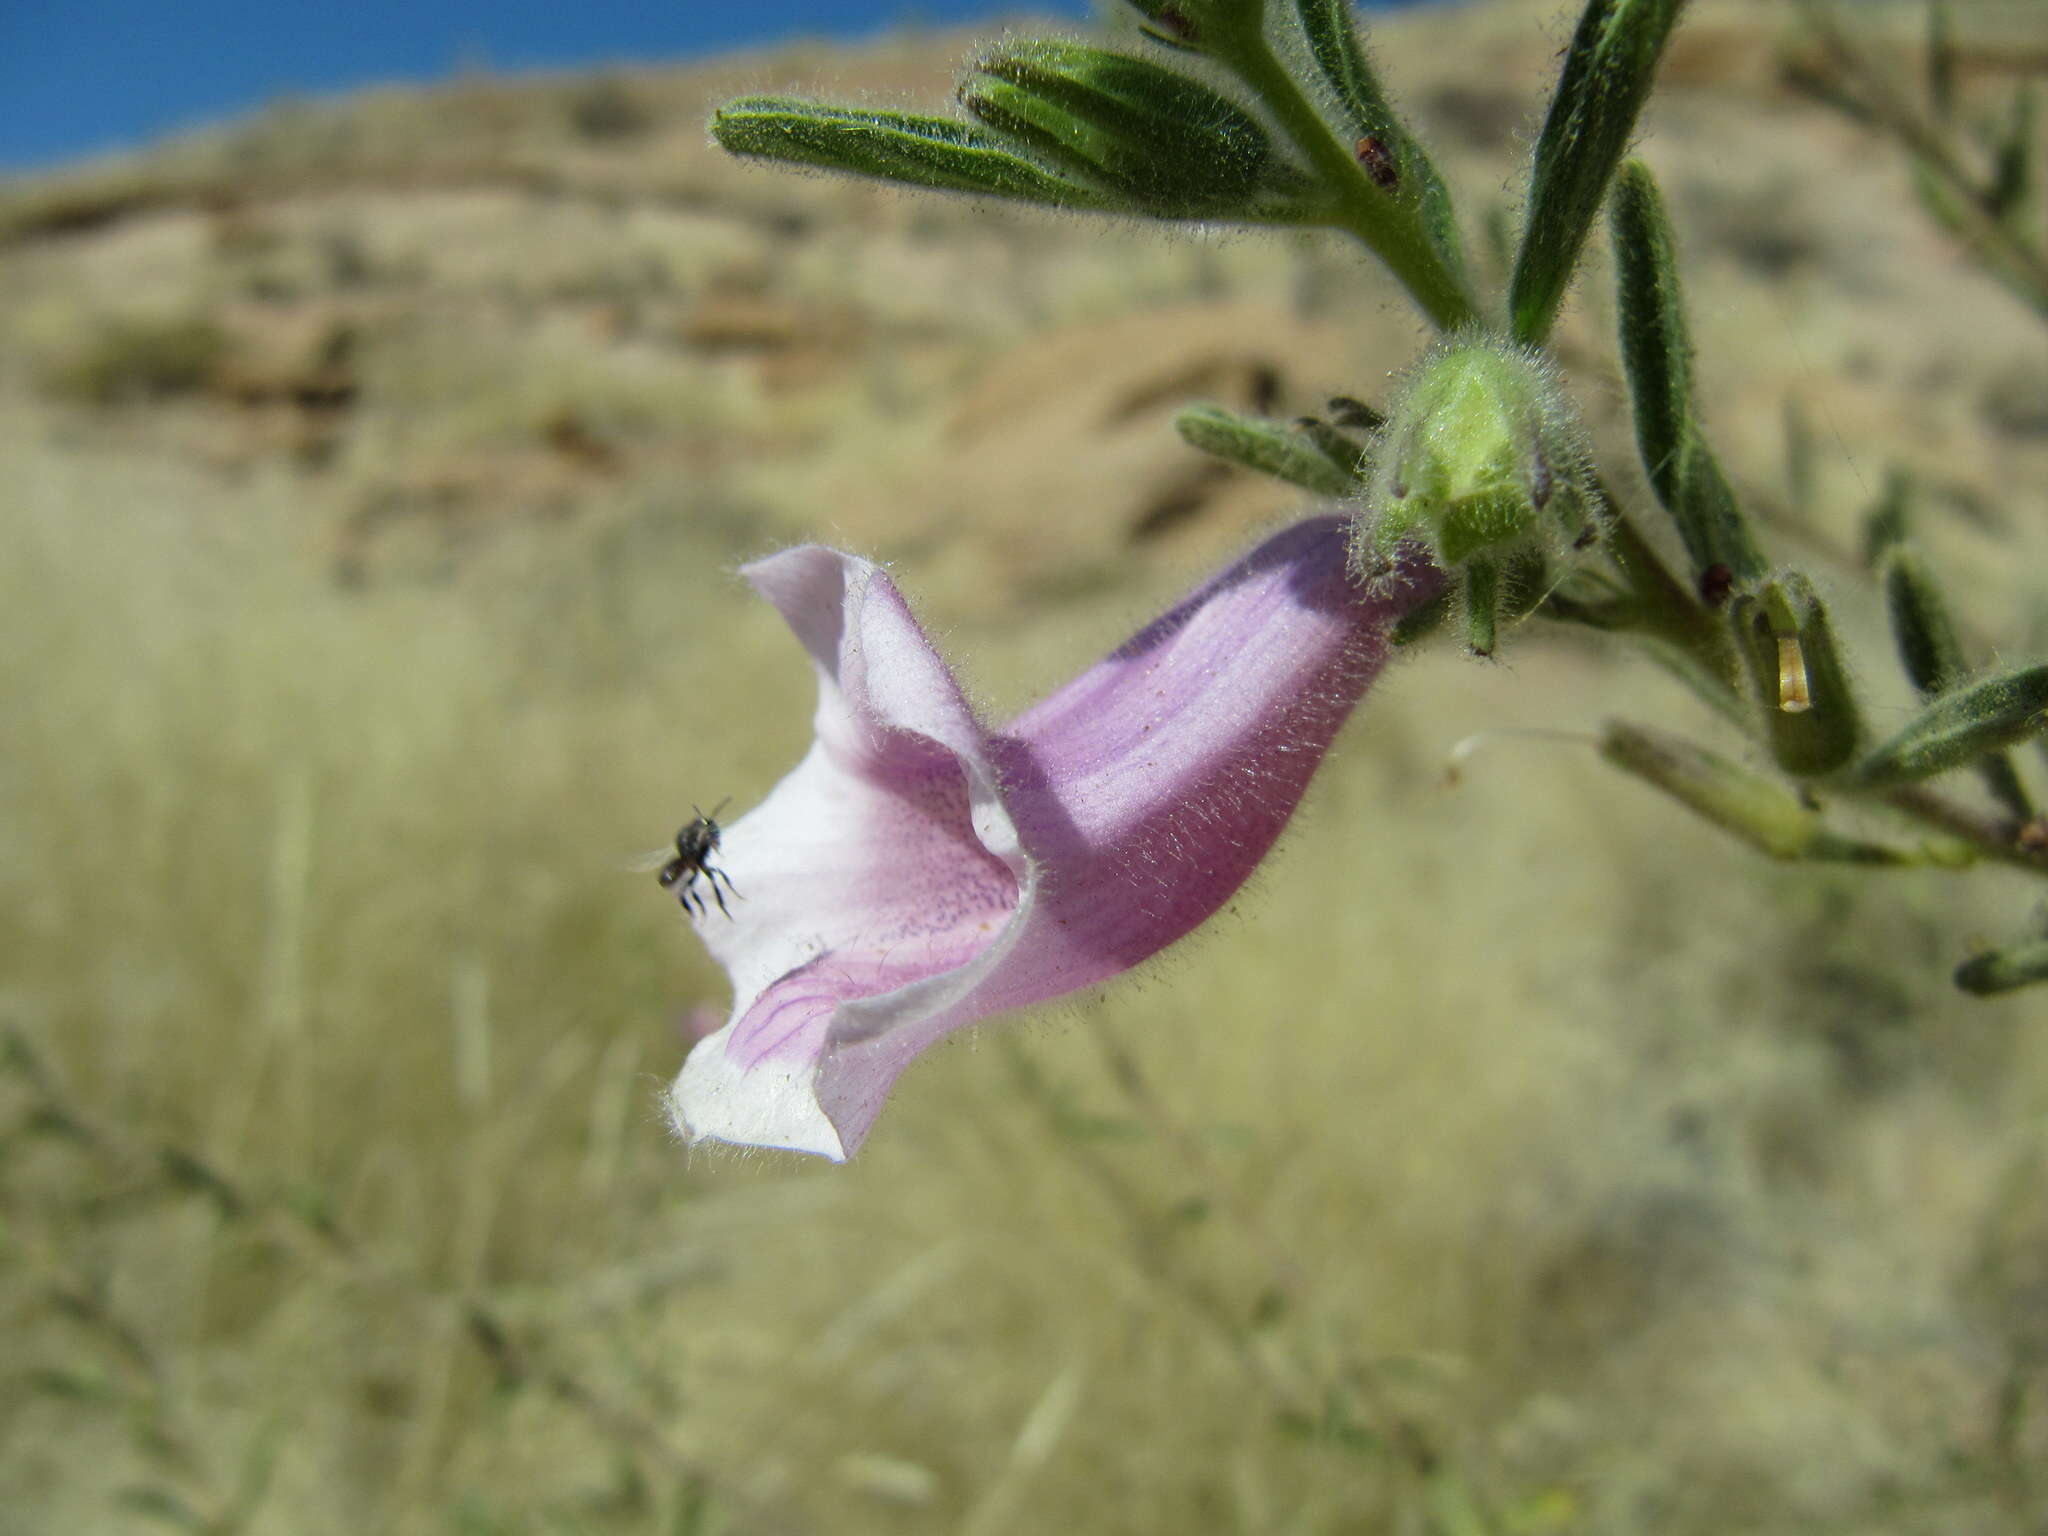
<point x="930" y="152"/>
<point x="1265" y="446"/>
<point x="1808" y="711"/>
<point x="1482" y="606"/>
<point x="1394" y="159"/>
<point x="1769" y="816"/>
<point x="1656" y="352"/>
<point x="1961" y="726"/>
<point x="2005" y="970"/>
<point x="1501" y="589"/>
<point x="1608" y="70"/>
<point x="1170" y="145"/>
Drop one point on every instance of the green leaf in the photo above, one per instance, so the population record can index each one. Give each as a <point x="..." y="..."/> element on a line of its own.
<point x="1656" y="352"/>
<point x="1165" y="143"/>
<point x="1608" y="70"/>
<point x="2005" y="970"/>
<point x="1889" y="522"/>
<point x="1390" y="153"/>
<point x="1961" y="726"/>
<point x="931" y="152"/>
<point x="1267" y="447"/>
<point x="1346" y="453"/>
<point x="1929" y="648"/>
<point x="1921" y="626"/>
<point x="1768" y="815"/>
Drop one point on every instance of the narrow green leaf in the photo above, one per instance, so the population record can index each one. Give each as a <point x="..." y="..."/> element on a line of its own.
<point x="1961" y="726"/>
<point x="1169" y="144"/>
<point x="1608" y="70"/>
<point x="2005" y="970"/>
<point x="1265" y="446"/>
<point x="1889" y="522"/>
<point x="931" y="152"/>
<point x="1929" y="648"/>
<point x="1921" y="626"/>
<point x="1391" y="154"/>
<point x="1763" y="812"/>
<point x="1347" y="411"/>
<point x="1346" y="453"/>
<point x="1656" y="352"/>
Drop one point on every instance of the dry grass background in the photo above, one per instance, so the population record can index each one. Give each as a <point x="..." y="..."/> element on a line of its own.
<point x="1515" y="1158"/>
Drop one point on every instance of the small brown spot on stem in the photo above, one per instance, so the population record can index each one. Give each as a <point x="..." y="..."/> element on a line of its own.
<point x="1379" y="162"/>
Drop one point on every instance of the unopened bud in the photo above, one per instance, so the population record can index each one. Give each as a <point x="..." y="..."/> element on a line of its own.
<point x="1482" y="460"/>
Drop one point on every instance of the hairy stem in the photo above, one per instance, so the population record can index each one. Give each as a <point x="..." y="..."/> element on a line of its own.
<point x="1394" y="233"/>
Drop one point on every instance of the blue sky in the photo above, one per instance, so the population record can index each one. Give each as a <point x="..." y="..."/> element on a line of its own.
<point x="82" y="76"/>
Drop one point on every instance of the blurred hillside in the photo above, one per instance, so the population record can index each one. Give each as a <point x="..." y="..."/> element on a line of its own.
<point x="1519" y="1158"/>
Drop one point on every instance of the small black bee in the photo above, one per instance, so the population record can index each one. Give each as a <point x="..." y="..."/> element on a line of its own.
<point x="695" y="844"/>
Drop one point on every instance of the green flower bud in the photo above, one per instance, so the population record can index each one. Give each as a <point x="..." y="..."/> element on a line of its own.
<point x="1483" y="461"/>
<point x="1172" y="145"/>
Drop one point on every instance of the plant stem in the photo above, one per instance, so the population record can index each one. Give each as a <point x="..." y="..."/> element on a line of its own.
<point x="1994" y="836"/>
<point x="1673" y="616"/>
<point x="1393" y="232"/>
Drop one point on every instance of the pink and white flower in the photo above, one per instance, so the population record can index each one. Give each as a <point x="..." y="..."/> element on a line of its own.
<point x="919" y="871"/>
